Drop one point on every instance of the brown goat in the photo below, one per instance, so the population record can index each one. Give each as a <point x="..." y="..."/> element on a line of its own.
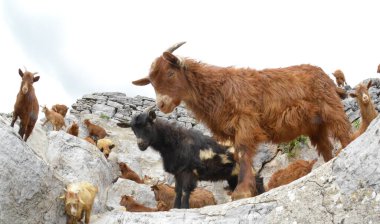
<point x="54" y="118"/>
<point x="90" y="140"/>
<point x="73" y="129"/>
<point x="367" y="108"/>
<point x="247" y="106"/>
<point x="26" y="106"/>
<point x="60" y="108"/>
<point x="292" y="172"/>
<point x="340" y="79"/>
<point x="95" y="130"/>
<point x="132" y="206"/>
<point x="199" y="197"/>
<point x="128" y="173"/>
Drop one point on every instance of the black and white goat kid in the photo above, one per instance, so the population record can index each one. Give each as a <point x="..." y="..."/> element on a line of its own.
<point x="187" y="154"/>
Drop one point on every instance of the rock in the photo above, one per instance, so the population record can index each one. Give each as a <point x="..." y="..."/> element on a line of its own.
<point x="103" y="110"/>
<point x="74" y="159"/>
<point x="29" y="188"/>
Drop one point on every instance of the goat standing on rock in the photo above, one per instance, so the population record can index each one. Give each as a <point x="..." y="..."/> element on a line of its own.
<point x="26" y="106"/>
<point x="187" y="154"/>
<point x="248" y="106"/>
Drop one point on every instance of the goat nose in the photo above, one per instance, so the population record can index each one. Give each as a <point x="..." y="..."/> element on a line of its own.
<point x="24" y="89"/>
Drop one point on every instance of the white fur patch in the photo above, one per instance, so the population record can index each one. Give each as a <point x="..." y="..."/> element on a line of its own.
<point x="140" y="140"/>
<point x="231" y="150"/>
<point x="206" y="154"/>
<point x="225" y="159"/>
<point x="163" y="98"/>
<point x="73" y="211"/>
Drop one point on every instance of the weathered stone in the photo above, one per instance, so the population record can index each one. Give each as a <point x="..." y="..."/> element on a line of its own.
<point x="114" y="104"/>
<point x="94" y="97"/>
<point x="103" y="110"/>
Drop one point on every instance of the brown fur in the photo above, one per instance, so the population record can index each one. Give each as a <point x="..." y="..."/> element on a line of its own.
<point x="340" y="79"/>
<point x="26" y="106"/>
<point x="60" y="108"/>
<point x="95" y="130"/>
<point x="199" y="197"/>
<point x="132" y="206"/>
<point x="378" y="69"/>
<point x="90" y="140"/>
<point x="341" y="93"/>
<point x="73" y="129"/>
<point x="292" y="172"/>
<point x="247" y="106"/>
<point x="54" y="118"/>
<point x="367" y="108"/>
<point x="128" y="173"/>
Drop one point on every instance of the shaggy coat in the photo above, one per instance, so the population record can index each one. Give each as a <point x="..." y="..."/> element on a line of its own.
<point x="128" y="173"/>
<point x="79" y="199"/>
<point x="340" y="79"/>
<point x="73" y="129"/>
<point x="95" y="130"/>
<point x="198" y="198"/>
<point x="187" y="154"/>
<point x="132" y="206"/>
<point x="60" y="108"/>
<point x="248" y="106"/>
<point x="292" y="172"/>
<point x="26" y="106"/>
<point x="54" y="118"/>
<point x="367" y="108"/>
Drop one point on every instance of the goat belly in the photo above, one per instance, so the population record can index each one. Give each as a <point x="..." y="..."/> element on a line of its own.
<point x="214" y="170"/>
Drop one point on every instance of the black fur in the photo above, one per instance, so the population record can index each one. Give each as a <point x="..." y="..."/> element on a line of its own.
<point x="180" y="150"/>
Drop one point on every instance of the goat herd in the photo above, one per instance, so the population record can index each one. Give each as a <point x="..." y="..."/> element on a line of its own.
<point x="242" y="107"/>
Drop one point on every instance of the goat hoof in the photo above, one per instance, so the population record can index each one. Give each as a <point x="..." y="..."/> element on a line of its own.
<point x="236" y="195"/>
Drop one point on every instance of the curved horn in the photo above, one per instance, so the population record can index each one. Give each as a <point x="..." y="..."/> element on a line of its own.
<point x="148" y="109"/>
<point x="25" y="68"/>
<point x="175" y="47"/>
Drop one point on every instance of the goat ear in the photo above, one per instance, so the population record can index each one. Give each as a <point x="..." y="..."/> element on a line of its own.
<point x="353" y="95"/>
<point x="36" y="78"/>
<point x="369" y="84"/>
<point x="124" y="125"/>
<point x="173" y="60"/>
<point x="152" y="115"/>
<point x="21" y="73"/>
<point x="141" y="82"/>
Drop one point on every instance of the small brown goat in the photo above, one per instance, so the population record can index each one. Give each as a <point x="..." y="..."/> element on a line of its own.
<point x="79" y="199"/>
<point x="367" y="108"/>
<point x="105" y="145"/>
<point x="200" y="197"/>
<point x="54" y="118"/>
<point x="73" y="129"/>
<point x="132" y="206"/>
<point x="128" y="173"/>
<point x="26" y="106"/>
<point x="248" y="106"/>
<point x="90" y="140"/>
<point x="340" y="79"/>
<point x="95" y="130"/>
<point x="292" y="172"/>
<point x="60" y="108"/>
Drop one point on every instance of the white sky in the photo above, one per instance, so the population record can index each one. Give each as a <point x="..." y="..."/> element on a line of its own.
<point x="80" y="47"/>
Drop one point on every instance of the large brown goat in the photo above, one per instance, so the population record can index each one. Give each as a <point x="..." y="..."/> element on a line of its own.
<point x="26" y="106"/>
<point x="367" y="108"/>
<point x="247" y="106"/>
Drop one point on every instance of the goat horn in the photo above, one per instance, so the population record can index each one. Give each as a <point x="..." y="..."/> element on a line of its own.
<point x="175" y="47"/>
<point x="148" y="109"/>
<point x="25" y="68"/>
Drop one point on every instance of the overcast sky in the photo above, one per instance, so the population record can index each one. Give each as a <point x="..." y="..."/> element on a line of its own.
<point x="80" y="47"/>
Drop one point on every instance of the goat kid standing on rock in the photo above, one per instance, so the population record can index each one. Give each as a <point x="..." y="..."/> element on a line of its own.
<point x="95" y="130"/>
<point x="248" y="106"/>
<point x="26" y="106"/>
<point x="187" y="154"/>
<point x="54" y="118"/>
